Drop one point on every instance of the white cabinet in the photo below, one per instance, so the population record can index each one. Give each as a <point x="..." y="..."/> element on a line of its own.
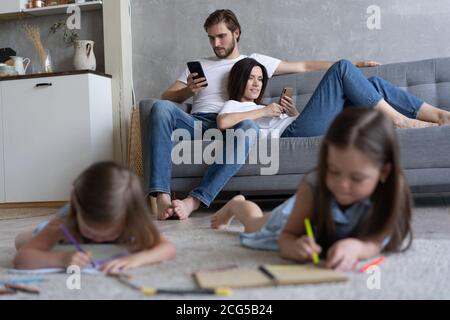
<point x="53" y="128"/>
<point x="11" y="6"/>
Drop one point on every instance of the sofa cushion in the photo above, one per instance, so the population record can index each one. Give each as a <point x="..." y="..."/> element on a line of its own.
<point x="419" y="148"/>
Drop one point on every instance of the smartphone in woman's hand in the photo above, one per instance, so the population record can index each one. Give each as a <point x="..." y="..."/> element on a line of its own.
<point x="287" y="92"/>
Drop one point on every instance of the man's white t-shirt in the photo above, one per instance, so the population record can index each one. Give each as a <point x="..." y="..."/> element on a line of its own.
<point x="212" y="98"/>
<point x="266" y="124"/>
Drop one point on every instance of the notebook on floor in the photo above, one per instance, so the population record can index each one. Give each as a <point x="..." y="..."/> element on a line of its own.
<point x="267" y="275"/>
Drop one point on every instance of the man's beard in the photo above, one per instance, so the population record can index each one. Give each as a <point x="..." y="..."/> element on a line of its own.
<point x="226" y="52"/>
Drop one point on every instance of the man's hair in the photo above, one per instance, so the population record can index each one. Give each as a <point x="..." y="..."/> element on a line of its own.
<point x="226" y="16"/>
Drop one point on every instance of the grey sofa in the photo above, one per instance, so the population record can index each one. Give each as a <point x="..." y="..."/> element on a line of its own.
<point x="425" y="153"/>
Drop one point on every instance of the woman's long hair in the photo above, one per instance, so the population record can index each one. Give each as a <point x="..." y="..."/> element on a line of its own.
<point x="107" y="193"/>
<point x="238" y="78"/>
<point x="374" y="135"/>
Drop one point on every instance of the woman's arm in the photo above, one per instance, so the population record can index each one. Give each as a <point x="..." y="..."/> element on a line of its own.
<point x="292" y="245"/>
<point x="228" y="120"/>
<point x="163" y="251"/>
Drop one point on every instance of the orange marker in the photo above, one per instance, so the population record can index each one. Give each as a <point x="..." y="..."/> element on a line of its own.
<point x="373" y="263"/>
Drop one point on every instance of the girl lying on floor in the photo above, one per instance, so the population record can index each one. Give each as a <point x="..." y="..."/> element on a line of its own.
<point x="357" y="199"/>
<point x="107" y="206"/>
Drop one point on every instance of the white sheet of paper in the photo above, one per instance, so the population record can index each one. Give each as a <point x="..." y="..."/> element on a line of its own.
<point x="99" y="252"/>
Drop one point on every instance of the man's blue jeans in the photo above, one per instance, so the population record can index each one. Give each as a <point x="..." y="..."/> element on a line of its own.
<point x="166" y="117"/>
<point x="344" y="84"/>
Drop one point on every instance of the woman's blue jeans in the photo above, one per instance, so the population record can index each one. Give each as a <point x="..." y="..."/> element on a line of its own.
<point x="165" y="117"/>
<point x="343" y="85"/>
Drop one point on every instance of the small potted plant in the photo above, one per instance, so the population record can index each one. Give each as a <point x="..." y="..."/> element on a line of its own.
<point x="84" y="57"/>
<point x="69" y="36"/>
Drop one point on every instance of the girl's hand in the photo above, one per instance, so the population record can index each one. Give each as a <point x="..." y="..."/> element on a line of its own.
<point x="305" y="247"/>
<point x="344" y="255"/>
<point x="287" y="103"/>
<point x="273" y="110"/>
<point x="121" y="264"/>
<point x="195" y="86"/>
<point x="78" y="258"/>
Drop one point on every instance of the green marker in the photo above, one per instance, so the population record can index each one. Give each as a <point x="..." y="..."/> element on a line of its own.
<point x="310" y="235"/>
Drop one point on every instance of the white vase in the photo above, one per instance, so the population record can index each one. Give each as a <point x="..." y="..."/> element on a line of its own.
<point x="84" y="57"/>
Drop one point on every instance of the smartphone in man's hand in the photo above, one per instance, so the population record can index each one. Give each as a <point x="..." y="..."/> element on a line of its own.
<point x="196" y="67"/>
<point x="287" y="92"/>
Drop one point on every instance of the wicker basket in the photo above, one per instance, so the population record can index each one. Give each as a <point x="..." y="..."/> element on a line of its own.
<point x="135" y="162"/>
<point x="134" y="145"/>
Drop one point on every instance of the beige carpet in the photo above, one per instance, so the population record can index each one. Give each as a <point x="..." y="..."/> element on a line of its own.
<point x="420" y="273"/>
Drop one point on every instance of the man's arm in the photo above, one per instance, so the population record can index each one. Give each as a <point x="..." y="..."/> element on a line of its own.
<point x="180" y="92"/>
<point x="177" y="92"/>
<point x="307" y="66"/>
<point x="302" y="66"/>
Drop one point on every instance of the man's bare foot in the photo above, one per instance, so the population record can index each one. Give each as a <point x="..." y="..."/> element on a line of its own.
<point x="413" y="123"/>
<point x="163" y="205"/>
<point x="184" y="208"/>
<point x="224" y="216"/>
<point x="444" y="118"/>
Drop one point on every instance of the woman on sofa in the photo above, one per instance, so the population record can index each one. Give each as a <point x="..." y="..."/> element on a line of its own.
<point x="343" y="84"/>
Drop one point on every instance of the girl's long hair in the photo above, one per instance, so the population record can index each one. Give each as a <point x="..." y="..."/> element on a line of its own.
<point x="374" y="135"/>
<point x="238" y="78"/>
<point x="107" y="193"/>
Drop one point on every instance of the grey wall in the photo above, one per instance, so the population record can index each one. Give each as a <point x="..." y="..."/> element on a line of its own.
<point x="62" y="56"/>
<point x="167" y="33"/>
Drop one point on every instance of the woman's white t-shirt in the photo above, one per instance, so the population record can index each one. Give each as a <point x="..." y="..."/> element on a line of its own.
<point x="266" y="124"/>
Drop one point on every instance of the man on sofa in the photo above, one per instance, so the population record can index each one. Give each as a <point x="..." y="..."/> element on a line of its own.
<point x="224" y="32"/>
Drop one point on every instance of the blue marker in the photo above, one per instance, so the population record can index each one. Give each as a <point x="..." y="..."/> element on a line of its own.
<point x="23" y="280"/>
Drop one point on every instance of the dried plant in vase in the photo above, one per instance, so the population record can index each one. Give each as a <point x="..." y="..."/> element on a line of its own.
<point x="34" y="34"/>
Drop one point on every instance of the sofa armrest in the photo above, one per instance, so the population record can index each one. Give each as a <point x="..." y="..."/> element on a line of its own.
<point x="145" y="107"/>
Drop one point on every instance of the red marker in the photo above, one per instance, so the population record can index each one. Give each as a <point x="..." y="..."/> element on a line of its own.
<point x="373" y="263"/>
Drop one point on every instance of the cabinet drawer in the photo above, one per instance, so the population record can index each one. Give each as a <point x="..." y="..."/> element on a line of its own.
<point x="46" y="136"/>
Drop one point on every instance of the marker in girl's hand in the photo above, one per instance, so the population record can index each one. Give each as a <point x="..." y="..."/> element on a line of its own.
<point x="74" y="241"/>
<point x="310" y="235"/>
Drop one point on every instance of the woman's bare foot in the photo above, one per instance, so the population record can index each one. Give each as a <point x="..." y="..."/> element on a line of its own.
<point x="184" y="208"/>
<point x="224" y="216"/>
<point x="412" y="123"/>
<point x="444" y="118"/>
<point x="163" y="205"/>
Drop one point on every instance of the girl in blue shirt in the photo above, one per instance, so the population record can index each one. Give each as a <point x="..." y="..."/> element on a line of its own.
<point x="107" y="205"/>
<point x="357" y="199"/>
